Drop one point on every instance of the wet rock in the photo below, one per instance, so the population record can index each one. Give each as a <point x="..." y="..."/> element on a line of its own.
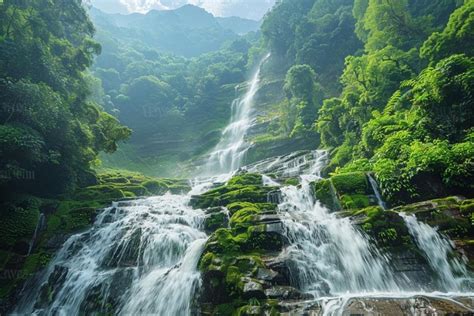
<point x="253" y="289"/>
<point x="266" y="274"/>
<point x="286" y="293"/>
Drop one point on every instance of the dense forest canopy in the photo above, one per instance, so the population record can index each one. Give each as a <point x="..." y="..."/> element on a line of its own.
<point x="50" y="127"/>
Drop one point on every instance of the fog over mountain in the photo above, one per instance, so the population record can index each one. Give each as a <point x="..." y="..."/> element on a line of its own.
<point x="250" y="9"/>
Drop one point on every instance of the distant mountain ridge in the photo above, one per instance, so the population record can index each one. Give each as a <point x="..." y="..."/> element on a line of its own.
<point x="187" y="31"/>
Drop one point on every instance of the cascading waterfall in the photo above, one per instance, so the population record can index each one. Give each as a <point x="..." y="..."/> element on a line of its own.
<point x="227" y="156"/>
<point x="437" y="250"/>
<point x="327" y="254"/>
<point x="140" y="257"/>
<point x="378" y="195"/>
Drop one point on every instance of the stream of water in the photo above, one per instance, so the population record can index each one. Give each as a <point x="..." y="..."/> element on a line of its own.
<point x="229" y="153"/>
<point x="328" y="255"/>
<point x="140" y="257"/>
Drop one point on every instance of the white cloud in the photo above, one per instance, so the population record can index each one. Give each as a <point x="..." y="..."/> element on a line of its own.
<point x="253" y="9"/>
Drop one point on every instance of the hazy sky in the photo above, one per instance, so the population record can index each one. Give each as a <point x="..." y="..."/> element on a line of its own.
<point x="251" y="9"/>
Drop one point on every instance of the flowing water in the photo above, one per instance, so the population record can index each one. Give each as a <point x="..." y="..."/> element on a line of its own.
<point x="328" y="255"/>
<point x="437" y="250"/>
<point x="331" y="259"/>
<point x="378" y="195"/>
<point x="228" y="155"/>
<point x="140" y="257"/>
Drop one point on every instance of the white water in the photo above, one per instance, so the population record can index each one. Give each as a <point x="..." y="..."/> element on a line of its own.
<point x="142" y="256"/>
<point x="331" y="259"/>
<point x="328" y="255"/>
<point x="437" y="250"/>
<point x="378" y="195"/>
<point x="227" y="156"/>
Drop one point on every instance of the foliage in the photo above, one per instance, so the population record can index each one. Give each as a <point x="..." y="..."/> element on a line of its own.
<point x="50" y="131"/>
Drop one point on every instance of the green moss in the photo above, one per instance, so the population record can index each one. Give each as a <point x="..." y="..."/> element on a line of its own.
<point x="246" y="179"/>
<point x="100" y="192"/>
<point x="355" y="201"/>
<point x="323" y="192"/>
<point x="351" y="183"/>
<point x="243" y="218"/>
<point x="236" y="206"/>
<point x="292" y="181"/>
<point x="228" y="194"/>
<point x="215" y="221"/>
<point x="467" y="207"/>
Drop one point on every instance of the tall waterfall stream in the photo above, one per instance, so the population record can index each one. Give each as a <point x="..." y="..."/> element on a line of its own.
<point x="142" y="255"/>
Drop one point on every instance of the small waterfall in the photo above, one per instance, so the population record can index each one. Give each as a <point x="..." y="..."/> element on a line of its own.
<point x="140" y="257"/>
<point x="39" y="226"/>
<point x="437" y="250"/>
<point x="378" y="195"/>
<point x="267" y="181"/>
<point x="227" y="156"/>
<point x="327" y="254"/>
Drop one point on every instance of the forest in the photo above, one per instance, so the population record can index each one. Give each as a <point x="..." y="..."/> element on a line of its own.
<point x="319" y="161"/>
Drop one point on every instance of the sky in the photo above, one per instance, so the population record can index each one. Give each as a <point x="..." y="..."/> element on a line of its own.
<point x="250" y="9"/>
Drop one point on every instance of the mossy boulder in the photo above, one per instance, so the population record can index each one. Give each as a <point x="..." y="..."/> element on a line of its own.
<point x="237" y="206"/>
<point x="451" y="215"/>
<point x="246" y="179"/>
<point x="232" y="261"/>
<point x="386" y="227"/>
<point x="324" y="192"/>
<point x="351" y="183"/>
<point x="216" y="219"/>
<point x="225" y="195"/>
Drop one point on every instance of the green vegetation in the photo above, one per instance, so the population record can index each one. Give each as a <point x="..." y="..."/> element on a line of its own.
<point x="233" y="256"/>
<point x="69" y="214"/>
<point x="51" y="131"/>
<point x="403" y="110"/>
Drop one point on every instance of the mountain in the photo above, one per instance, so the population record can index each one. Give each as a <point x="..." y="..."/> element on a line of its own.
<point x="187" y="31"/>
<point x="239" y="25"/>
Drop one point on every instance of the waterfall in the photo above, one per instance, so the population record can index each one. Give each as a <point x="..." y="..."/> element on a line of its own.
<point x="38" y="227"/>
<point x="375" y="188"/>
<point x="437" y="250"/>
<point x="140" y="257"/>
<point x="227" y="156"/>
<point x="327" y="254"/>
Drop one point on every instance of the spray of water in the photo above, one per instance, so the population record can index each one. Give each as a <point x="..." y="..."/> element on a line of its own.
<point x="227" y="156"/>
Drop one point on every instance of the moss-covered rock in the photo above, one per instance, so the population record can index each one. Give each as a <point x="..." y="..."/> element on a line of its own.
<point x="449" y="214"/>
<point x="232" y="261"/>
<point x="236" y="206"/>
<point x="351" y="183"/>
<point x="246" y="179"/>
<point x="355" y="201"/>
<point x="324" y="192"/>
<point x="228" y="194"/>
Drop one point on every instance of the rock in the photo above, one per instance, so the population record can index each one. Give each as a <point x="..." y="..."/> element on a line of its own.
<point x="253" y="289"/>
<point x="286" y="293"/>
<point x="266" y="274"/>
